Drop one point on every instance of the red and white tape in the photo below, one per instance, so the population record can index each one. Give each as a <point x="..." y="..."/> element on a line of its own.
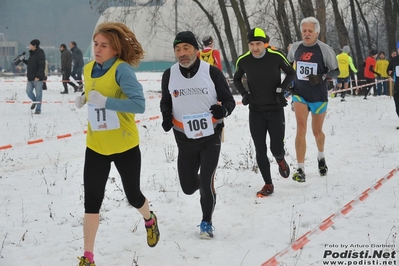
<point x="307" y="237"/>
<point x="67" y="80"/>
<point x="64" y="101"/>
<point x="357" y="87"/>
<point x="63" y="136"/>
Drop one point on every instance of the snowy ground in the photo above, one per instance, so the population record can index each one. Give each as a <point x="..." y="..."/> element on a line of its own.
<point x="41" y="192"/>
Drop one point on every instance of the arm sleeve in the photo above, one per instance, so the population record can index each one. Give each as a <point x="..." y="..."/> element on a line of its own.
<point x="166" y="99"/>
<point x="372" y="70"/>
<point x="351" y="65"/>
<point x="216" y="57"/>
<point x="390" y="68"/>
<point x="289" y="72"/>
<point x="130" y="86"/>
<point x="41" y="61"/>
<point x="222" y="89"/>
<point x="237" y="79"/>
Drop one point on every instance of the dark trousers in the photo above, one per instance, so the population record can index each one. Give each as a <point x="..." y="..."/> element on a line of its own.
<point x="77" y="74"/>
<point x="396" y="99"/>
<point x="203" y="157"/>
<point x="96" y="173"/>
<point x="370" y="87"/>
<point x="45" y="83"/>
<point x="261" y="123"/>
<point x="65" y="79"/>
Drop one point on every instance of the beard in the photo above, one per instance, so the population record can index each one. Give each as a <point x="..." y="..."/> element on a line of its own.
<point x="189" y="63"/>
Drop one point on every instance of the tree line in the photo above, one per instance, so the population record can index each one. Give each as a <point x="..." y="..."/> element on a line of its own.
<point x="361" y="24"/>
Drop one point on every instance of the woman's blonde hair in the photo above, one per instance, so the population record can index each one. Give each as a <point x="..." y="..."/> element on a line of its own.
<point x="122" y="40"/>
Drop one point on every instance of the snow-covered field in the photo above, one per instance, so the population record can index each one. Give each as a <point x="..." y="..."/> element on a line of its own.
<point x="41" y="192"/>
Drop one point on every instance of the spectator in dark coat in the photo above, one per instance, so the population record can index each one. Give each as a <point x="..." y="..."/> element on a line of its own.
<point x="77" y="60"/>
<point x="66" y="66"/>
<point x="35" y="74"/>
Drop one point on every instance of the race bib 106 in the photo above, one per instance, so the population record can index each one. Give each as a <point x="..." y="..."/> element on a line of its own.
<point x="198" y="125"/>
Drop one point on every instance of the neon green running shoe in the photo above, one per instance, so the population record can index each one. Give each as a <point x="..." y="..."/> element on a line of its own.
<point x="299" y="176"/>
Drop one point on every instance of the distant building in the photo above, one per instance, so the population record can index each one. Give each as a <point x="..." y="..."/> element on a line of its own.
<point x="8" y="51"/>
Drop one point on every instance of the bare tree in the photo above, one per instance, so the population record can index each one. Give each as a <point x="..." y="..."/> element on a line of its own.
<point x="359" y="57"/>
<point x="306" y="8"/>
<point x="321" y="17"/>
<point x="294" y="21"/>
<point x="219" y="36"/>
<point x="391" y="21"/>
<point x="283" y="23"/>
<point x="343" y="36"/>
<point x="279" y="18"/>
<point x="366" y="24"/>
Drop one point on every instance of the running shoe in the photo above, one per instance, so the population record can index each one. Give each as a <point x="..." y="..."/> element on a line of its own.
<point x="267" y="190"/>
<point x="323" y="169"/>
<point x="153" y="232"/>
<point x="83" y="261"/>
<point x="299" y="176"/>
<point x="206" y="230"/>
<point x="283" y="168"/>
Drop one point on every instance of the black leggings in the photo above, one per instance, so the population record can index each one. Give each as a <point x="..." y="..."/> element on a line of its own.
<point x="261" y="122"/>
<point x="373" y="86"/>
<point x="396" y="99"/>
<point x="189" y="161"/>
<point x="95" y="176"/>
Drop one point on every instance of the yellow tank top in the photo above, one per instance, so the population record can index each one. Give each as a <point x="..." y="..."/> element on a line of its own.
<point x="343" y="65"/>
<point x="119" y="140"/>
<point x="208" y="57"/>
<point x="381" y="67"/>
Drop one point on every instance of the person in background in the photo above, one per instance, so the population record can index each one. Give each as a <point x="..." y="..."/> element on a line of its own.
<point x="393" y="71"/>
<point x="77" y="61"/>
<point x="113" y="96"/>
<point x="45" y="76"/>
<point x="391" y="83"/>
<point x="262" y="67"/>
<point x="267" y="43"/>
<point x="381" y="67"/>
<point x="36" y="63"/>
<point x="195" y="100"/>
<point x="345" y="64"/>
<point x="66" y="66"/>
<point x="315" y="61"/>
<point x="370" y="73"/>
<point x="209" y="54"/>
<point x="393" y="54"/>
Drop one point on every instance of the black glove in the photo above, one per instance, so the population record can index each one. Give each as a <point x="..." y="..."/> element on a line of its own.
<point x="246" y="99"/>
<point x="315" y="79"/>
<point x="167" y="123"/>
<point x="280" y="99"/>
<point x="218" y="111"/>
<point x="378" y="75"/>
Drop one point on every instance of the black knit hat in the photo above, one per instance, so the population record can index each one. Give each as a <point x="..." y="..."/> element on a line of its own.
<point x="186" y="37"/>
<point x="373" y="52"/>
<point x="207" y="40"/>
<point x="35" y="42"/>
<point x="256" y="34"/>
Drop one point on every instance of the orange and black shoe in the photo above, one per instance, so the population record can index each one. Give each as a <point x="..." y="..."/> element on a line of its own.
<point x="283" y="168"/>
<point x="266" y="191"/>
